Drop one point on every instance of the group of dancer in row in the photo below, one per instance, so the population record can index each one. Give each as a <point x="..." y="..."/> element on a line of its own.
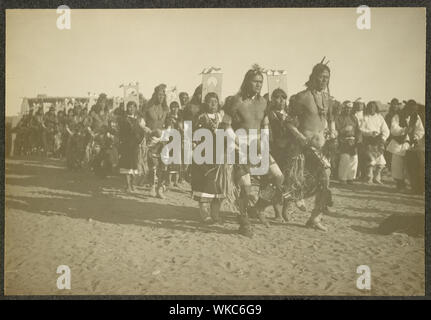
<point x="308" y="138"/>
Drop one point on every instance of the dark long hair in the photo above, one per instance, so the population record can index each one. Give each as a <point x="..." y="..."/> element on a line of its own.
<point x="278" y="92"/>
<point x="194" y="101"/>
<point x="154" y="97"/>
<point x="250" y="74"/>
<point x="197" y="95"/>
<point x="317" y="69"/>
<point x="410" y="109"/>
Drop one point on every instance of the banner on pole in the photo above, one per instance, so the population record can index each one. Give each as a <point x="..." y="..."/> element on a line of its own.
<point x="130" y="93"/>
<point x="277" y="79"/>
<point x="212" y="80"/>
<point x="172" y="95"/>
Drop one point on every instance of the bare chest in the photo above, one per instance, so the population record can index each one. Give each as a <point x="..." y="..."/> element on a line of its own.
<point x="251" y="115"/>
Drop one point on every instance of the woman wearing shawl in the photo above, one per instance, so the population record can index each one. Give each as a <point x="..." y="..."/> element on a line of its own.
<point x="191" y="113"/>
<point x="174" y="121"/>
<point x="277" y="115"/>
<point x="207" y="179"/>
<point x="194" y="107"/>
<point x="75" y="150"/>
<point x="347" y="126"/>
<point x="407" y="132"/>
<point x="131" y="133"/>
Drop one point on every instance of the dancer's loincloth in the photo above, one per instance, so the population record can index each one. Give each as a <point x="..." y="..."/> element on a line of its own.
<point x="306" y="172"/>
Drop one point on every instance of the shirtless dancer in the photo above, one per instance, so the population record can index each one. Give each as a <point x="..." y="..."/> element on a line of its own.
<point x="247" y="110"/>
<point x="313" y="113"/>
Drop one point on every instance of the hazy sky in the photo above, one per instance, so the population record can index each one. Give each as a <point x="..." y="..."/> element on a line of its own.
<point x="105" y="48"/>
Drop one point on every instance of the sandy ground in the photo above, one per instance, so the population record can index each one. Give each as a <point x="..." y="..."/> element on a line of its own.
<point x="116" y="243"/>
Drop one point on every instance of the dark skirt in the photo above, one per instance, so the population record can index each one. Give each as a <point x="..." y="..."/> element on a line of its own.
<point x="75" y="151"/>
<point x="209" y="181"/>
<point x="129" y="156"/>
<point x="415" y="163"/>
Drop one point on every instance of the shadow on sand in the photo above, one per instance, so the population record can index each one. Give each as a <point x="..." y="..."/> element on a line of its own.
<point x="411" y="225"/>
<point x="51" y="189"/>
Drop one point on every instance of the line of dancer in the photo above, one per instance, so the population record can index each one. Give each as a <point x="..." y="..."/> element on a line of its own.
<point x="310" y="141"/>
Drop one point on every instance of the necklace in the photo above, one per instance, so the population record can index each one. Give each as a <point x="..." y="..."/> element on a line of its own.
<point x="279" y="114"/>
<point x="320" y="108"/>
<point x="158" y="112"/>
<point x="213" y="121"/>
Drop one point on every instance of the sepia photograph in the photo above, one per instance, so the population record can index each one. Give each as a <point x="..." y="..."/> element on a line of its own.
<point x="215" y="152"/>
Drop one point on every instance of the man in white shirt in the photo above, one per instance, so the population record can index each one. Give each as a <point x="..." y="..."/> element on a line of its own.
<point x="374" y="132"/>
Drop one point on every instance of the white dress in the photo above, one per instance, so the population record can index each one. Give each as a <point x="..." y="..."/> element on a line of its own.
<point x="398" y="150"/>
<point x="377" y="123"/>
